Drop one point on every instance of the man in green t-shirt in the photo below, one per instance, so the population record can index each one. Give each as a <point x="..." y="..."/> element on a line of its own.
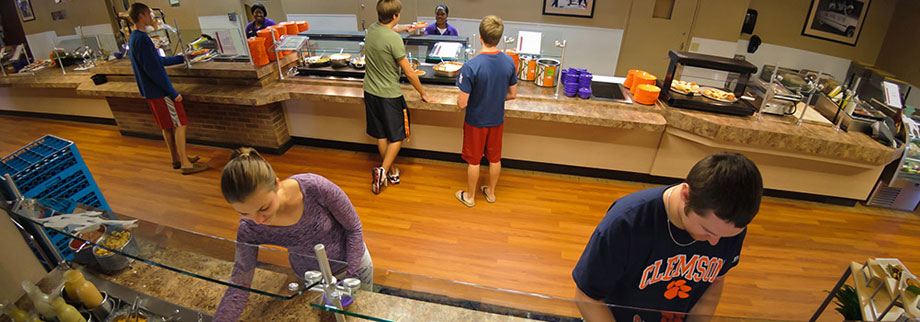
<point x="384" y="105"/>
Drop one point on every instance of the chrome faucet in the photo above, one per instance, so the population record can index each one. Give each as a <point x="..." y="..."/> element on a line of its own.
<point x="326" y="283"/>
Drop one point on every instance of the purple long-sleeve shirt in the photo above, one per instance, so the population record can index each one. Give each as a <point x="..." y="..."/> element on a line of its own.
<point x="328" y="218"/>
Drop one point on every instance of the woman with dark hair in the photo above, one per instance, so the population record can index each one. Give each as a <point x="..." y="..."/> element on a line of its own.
<point x="259" y="22"/>
<point x="441" y="28"/>
<point x="295" y="213"/>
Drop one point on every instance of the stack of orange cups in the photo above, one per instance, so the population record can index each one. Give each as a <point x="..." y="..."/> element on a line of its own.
<point x="266" y="35"/>
<point x="646" y="94"/>
<point x="629" y="77"/>
<point x="280" y="30"/>
<point x="641" y="78"/>
<point x="516" y="58"/>
<point x="257" y="51"/>
<point x="290" y="28"/>
<point x="302" y="26"/>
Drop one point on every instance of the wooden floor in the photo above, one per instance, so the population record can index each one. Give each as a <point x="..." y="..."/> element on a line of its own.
<point x="528" y="241"/>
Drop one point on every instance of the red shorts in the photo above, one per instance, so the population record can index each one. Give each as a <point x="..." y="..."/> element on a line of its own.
<point x="169" y="114"/>
<point x="479" y="140"/>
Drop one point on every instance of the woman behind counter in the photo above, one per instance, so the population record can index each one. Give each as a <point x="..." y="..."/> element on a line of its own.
<point x="441" y="28"/>
<point x="296" y="213"/>
<point x="258" y="12"/>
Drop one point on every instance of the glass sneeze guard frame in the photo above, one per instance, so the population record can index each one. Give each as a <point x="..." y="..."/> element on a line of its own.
<point x="399" y="296"/>
<point x="194" y="254"/>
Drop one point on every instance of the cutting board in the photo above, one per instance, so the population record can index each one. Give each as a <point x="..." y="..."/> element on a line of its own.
<point x="813" y="117"/>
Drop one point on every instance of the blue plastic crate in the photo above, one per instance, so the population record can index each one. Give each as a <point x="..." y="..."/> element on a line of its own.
<point x="51" y="167"/>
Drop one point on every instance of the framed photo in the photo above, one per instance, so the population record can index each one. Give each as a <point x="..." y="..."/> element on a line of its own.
<point x="571" y="8"/>
<point x="25" y="10"/>
<point x="836" y="20"/>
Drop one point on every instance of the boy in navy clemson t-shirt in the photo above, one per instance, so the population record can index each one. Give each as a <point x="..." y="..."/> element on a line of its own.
<point x="669" y="248"/>
<point x="485" y="82"/>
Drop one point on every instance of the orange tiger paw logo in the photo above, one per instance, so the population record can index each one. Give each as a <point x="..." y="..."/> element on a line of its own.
<point x="672" y="317"/>
<point x="678" y="288"/>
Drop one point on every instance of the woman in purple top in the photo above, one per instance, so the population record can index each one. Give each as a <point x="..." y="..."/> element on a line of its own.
<point x="441" y="28"/>
<point x="296" y="213"/>
<point x="258" y="12"/>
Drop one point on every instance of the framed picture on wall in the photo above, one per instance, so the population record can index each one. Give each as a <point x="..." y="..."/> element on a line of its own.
<point x="572" y="8"/>
<point x="25" y="10"/>
<point x="836" y="20"/>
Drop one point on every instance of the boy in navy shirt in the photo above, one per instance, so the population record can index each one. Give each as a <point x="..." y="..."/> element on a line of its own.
<point x="485" y="82"/>
<point x="165" y="102"/>
<point x="669" y="248"/>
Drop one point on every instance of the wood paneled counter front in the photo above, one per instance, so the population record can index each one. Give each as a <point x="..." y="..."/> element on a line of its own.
<point x="222" y="98"/>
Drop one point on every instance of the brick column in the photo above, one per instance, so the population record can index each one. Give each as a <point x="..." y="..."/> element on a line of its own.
<point x="223" y="125"/>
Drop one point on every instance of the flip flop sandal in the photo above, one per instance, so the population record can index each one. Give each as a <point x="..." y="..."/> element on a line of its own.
<point x="192" y="159"/>
<point x="483" y="189"/>
<point x="459" y="196"/>
<point x="196" y="168"/>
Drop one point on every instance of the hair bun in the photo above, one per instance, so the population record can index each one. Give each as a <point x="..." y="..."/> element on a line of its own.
<point x="243" y="152"/>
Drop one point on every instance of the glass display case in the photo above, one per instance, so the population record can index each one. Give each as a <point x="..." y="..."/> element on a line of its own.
<point x="725" y="95"/>
<point x="341" y="55"/>
<point x="436" y="59"/>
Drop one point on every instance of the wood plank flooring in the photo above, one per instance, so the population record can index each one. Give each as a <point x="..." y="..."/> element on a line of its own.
<point x="528" y="241"/>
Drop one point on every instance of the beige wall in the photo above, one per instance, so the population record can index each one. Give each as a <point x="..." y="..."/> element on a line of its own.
<point x="899" y="52"/>
<point x="719" y="19"/>
<point x="607" y="13"/>
<point x="78" y="13"/>
<point x="780" y="22"/>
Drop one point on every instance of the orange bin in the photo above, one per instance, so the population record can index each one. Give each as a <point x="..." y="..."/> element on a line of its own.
<point x="302" y="26"/>
<point x="515" y="57"/>
<point x="646" y="94"/>
<point x="280" y="30"/>
<point x="266" y="36"/>
<point x="257" y="51"/>
<point x="641" y="78"/>
<point x="629" y="77"/>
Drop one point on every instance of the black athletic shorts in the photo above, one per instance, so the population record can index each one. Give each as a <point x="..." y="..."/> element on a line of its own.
<point x="387" y="118"/>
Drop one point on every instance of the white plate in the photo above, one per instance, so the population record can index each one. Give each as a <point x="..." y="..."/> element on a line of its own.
<point x="681" y="92"/>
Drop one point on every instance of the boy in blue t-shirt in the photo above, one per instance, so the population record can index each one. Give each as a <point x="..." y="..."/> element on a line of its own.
<point x="485" y="82"/>
<point x="669" y="248"/>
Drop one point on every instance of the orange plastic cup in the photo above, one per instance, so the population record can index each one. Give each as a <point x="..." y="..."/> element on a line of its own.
<point x="257" y="51"/>
<point x="629" y="77"/>
<point x="302" y="26"/>
<point x="641" y="78"/>
<point x="647" y="94"/>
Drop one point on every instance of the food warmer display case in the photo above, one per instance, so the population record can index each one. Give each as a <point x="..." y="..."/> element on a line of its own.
<point x="899" y="185"/>
<point x="340" y="55"/>
<point x="724" y="96"/>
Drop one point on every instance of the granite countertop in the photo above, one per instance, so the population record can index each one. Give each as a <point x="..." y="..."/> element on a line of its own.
<point x="50" y="77"/>
<point x="204" y="296"/>
<point x="781" y="134"/>
<point x="210" y="69"/>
